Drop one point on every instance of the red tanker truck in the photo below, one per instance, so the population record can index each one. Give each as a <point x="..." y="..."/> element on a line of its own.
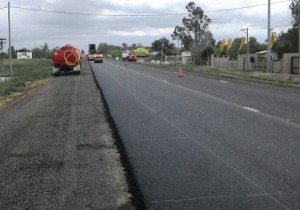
<point x="66" y="59"/>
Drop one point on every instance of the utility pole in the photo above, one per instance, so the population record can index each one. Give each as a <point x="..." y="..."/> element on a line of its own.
<point x="247" y="61"/>
<point x="269" y="61"/>
<point x="41" y="51"/>
<point x="298" y="6"/>
<point x="162" y="51"/>
<point x="9" y="41"/>
<point x="2" y="42"/>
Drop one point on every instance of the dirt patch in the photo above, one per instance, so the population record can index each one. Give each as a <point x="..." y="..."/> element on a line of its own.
<point x="15" y="93"/>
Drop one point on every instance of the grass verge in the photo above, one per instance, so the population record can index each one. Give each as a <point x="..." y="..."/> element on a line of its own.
<point x="261" y="76"/>
<point x="26" y="74"/>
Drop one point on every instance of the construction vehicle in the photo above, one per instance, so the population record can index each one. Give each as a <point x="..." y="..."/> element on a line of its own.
<point x="141" y="52"/>
<point x="132" y="56"/>
<point x="66" y="59"/>
<point x="125" y="55"/>
<point x="92" y="52"/>
<point x="98" y="58"/>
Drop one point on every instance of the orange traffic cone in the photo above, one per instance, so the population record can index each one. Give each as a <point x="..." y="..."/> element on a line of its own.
<point x="180" y="72"/>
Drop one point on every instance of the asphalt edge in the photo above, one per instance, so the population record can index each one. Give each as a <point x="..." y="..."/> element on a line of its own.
<point x="137" y="198"/>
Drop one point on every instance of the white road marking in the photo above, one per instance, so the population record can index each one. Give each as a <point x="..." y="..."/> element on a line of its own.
<point x="223" y="81"/>
<point x="211" y="197"/>
<point x="164" y="81"/>
<point x="161" y="139"/>
<point x="251" y="109"/>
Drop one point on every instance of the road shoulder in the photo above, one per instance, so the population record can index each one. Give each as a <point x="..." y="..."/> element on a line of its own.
<point x="57" y="150"/>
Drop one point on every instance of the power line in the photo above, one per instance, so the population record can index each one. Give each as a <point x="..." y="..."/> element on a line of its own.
<point x="139" y="15"/>
<point x="246" y="7"/>
<point x="3" y="8"/>
<point x="252" y="29"/>
<point x="95" y="14"/>
<point x="279" y="26"/>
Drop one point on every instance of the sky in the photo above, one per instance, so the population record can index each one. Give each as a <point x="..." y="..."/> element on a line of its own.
<point x="96" y="21"/>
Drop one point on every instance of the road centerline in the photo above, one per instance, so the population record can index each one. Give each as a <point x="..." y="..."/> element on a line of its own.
<point x="250" y="109"/>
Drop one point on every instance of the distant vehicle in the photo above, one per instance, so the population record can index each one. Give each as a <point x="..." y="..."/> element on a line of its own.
<point x="98" y="58"/>
<point x="91" y="57"/>
<point x="92" y="52"/>
<point x="132" y="56"/>
<point x="92" y="48"/>
<point x="66" y="59"/>
<point x="141" y="52"/>
<point x="125" y="54"/>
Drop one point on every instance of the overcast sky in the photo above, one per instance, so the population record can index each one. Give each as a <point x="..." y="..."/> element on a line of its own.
<point x="31" y="29"/>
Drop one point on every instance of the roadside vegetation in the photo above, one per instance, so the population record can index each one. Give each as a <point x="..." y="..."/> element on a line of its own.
<point x="26" y="73"/>
<point x="255" y="75"/>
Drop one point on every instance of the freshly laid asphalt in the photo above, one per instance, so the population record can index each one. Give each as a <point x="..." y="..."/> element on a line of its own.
<point x="205" y="143"/>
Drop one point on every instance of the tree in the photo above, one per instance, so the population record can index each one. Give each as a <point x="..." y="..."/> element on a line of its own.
<point x="104" y="48"/>
<point x="294" y="9"/>
<point x="36" y="53"/>
<point x="124" y="46"/>
<point x="194" y="32"/>
<point x="133" y="47"/>
<point x="45" y="47"/>
<point x="287" y="42"/>
<point x="165" y="44"/>
<point x="255" y="46"/>
<point x="13" y="52"/>
<point x="116" y="53"/>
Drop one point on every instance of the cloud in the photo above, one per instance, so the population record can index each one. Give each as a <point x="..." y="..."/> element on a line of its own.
<point x="33" y="28"/>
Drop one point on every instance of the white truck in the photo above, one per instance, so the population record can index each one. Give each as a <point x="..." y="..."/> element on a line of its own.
<point x="125" y="54"/>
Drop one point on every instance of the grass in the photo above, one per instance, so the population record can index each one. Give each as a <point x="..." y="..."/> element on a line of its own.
<point x="295" y="80"/>
<point x="25" y="73"/>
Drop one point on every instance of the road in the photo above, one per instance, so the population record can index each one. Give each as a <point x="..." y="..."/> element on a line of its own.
<point x="57" y="150"/>
<point x="201" y="142"/>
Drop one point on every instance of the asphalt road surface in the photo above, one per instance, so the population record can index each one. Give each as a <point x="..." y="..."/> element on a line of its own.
<point x="57" y="150"/>
<point x="201" y="142"/>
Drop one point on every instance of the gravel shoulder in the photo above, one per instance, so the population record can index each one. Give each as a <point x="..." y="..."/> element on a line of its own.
<point x="57" y="150"/>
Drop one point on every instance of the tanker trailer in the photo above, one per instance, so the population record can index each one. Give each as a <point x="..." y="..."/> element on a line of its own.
<point x="66" y="59"/>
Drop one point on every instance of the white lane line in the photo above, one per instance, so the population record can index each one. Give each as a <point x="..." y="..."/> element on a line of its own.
<point x="161" y="139"/>
<point x="164" y="81"/>
<point x="210" y="197"/>
<point x="223" y="81"/>
<point x="251" y="109"/>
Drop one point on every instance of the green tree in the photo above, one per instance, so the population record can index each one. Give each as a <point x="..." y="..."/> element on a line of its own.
<point x="194" y="32"/>
<point x="116" y="53"/>
<point x="124" y="46"/>
<point x="36" y="53"/>
<point x="45" y="47"/>
<point x="255" y="46"/>
<point x="133" y="47"/>
<point x="13" y="52"/>
<point x="165" y="45"/>
<point x="234" y="49"/>
<point x="104" y="48"/>
<point x="288" y="42"/>
<point x="294" y="10"/>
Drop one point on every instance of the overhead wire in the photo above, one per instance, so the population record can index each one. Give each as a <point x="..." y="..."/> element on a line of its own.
<point x="140" y="15"/>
